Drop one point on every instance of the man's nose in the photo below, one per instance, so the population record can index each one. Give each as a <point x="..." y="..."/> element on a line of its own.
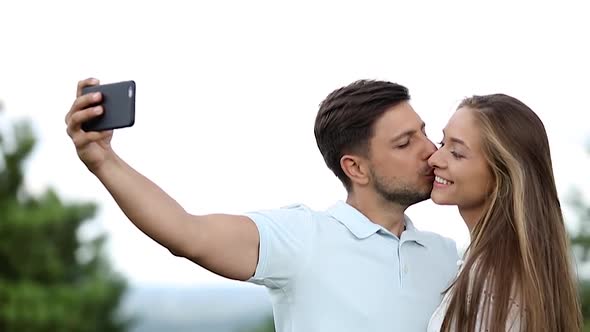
<point x="430" y="148"/>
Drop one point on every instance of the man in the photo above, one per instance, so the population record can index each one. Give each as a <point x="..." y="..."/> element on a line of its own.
<point x="359" y="266"/>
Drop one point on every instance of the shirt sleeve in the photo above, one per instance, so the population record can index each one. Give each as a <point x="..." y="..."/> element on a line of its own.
<point x="285" y="236"/>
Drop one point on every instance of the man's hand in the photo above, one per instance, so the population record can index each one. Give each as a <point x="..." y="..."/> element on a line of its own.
<point x="93" y="148"/>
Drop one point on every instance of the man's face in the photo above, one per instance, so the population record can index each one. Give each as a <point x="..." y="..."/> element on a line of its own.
<point x="398" y="159"/>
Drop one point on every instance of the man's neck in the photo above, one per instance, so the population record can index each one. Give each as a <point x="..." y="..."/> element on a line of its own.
<point x="386" y="214"/>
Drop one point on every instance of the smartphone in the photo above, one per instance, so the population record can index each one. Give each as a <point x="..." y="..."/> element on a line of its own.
<point x="118" y="103"/>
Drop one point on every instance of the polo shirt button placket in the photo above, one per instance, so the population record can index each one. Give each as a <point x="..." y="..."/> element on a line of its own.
<point x="401" y="265"/>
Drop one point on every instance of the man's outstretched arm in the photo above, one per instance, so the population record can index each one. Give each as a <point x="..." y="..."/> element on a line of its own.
<point x="224" y="244"/>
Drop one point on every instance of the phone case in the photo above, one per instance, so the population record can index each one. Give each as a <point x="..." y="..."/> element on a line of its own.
<point x="118" y="102"/>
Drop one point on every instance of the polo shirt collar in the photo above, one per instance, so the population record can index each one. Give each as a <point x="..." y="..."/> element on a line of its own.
<point x="356" y="222"/>
<point x="412" y="233"/>
<point x="362" y="227"/>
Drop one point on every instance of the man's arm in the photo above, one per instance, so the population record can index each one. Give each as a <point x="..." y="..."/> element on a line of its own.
<point x="224" y="244"/>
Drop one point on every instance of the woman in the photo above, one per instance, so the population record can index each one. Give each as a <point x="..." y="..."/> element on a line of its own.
<point x="495" y="165"/>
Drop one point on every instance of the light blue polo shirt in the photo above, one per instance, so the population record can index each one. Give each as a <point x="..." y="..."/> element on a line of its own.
<point x="336" y="271"/>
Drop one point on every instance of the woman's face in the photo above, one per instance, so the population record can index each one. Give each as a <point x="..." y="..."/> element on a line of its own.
<point x="463" y="177"/>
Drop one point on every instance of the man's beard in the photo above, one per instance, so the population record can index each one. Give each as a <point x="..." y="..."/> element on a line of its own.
<point x="397" y="192"/>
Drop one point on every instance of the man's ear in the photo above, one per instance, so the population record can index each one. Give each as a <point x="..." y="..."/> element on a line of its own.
<point x="355" y="168"/>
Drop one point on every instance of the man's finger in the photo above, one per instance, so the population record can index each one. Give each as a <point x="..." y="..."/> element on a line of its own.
<point x="77" y="118"/>
<point x="83" y="102"/>
<point x="87" y="100"/>
<point x="84" y="83"/>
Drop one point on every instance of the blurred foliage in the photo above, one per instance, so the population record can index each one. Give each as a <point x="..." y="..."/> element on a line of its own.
<point x="267" y="326"/>
<point x="581" y="246"/>
<point x="50" y="280"/>
<point x="581" y="241"/>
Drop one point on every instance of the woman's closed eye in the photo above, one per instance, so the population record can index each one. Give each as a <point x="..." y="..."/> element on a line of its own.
<point x="454" y="153"/>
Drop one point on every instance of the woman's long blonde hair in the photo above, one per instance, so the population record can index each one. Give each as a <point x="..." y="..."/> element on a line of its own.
<point x="519" y="257"/>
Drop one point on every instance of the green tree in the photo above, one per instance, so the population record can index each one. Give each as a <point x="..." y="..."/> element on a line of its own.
<point x="266" y="326"/>
<point x="581" y="246"/>
<point x="50" y="280"/>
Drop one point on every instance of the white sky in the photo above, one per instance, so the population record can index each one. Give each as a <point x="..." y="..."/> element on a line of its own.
<point x="227" y="93"/>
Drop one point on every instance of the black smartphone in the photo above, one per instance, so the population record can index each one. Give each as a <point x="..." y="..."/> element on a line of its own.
<point x="118" y="103"/>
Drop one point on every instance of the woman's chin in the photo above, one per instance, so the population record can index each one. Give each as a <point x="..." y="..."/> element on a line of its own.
<point x="439" y="200"/>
